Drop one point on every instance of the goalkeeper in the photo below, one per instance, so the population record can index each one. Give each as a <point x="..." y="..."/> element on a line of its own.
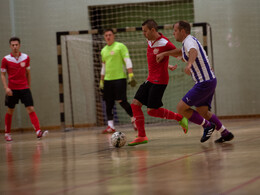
<point x="115" y="63"/>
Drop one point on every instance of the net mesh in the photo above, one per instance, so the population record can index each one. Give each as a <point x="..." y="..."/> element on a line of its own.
<point x="81" y="57"/>
<point x="82" y="60"/>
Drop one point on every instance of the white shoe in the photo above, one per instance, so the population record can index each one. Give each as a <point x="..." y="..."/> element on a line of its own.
<point x="8" y="137"/>
<point x="41" y="134"/>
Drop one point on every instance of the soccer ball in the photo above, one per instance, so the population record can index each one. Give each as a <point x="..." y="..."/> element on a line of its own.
<point x="118" y="139"/>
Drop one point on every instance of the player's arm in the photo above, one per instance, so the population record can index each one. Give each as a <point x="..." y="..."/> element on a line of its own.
<point x="28" y="76"/>
<point x="175" y="53"/>
<point x="172" y="67"/>
<point x="102" y="76"/>
<point x="192" y="57"/>
<point x="8" y="91"/>
<point x="3" y="78"/>
<point x="129" y="67"/>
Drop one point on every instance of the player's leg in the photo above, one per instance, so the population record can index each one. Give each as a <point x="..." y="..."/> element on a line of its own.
<point x="139" y="121"/>
<point x="200" y="95"/>
<point x="10" y="102"/>
<point x="136" y="105"/>
<point x="110" y="117"/>
<point x="154" y="106"/>
<point x="120" y="95"/>
<point x="193" y="116"/>
<point x="8" y="123"/>
<point x="27" y="100"/>
<point x="127" y="107"/>
<point x="225" y="134"/>
<point x="109" y="98"/>
<point x="167" y="114"/>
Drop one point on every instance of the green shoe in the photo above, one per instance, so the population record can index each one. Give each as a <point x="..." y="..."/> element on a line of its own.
<point x="138" y="140"/>
<point x="184" y="124"/>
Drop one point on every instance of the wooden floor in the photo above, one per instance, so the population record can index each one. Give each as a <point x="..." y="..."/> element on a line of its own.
<point x="84" y="162"/>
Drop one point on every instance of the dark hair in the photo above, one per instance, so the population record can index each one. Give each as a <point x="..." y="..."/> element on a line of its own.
<point x="184" y="25"/>
<point x="14" y="39"/>
<point x="108" y="30"/>
<point x="150" y="23"/>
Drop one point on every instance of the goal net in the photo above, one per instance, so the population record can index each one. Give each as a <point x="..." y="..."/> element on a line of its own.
<point x="80" y="60"/>
<point x="82" y="97"/>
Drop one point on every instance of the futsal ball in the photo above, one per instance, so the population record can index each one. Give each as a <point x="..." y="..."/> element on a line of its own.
<point x="118" y="139"/>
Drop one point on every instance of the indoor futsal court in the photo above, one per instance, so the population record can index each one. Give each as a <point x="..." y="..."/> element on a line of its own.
<point x="84" y="162"/>
<point x="64" y="57"/>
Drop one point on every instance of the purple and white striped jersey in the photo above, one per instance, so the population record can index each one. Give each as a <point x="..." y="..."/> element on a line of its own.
<point x="201" y="70"/>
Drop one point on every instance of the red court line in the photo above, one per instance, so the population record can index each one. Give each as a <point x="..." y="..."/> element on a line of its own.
<point x="241" y="185"/>
<point x="133" y="172"/>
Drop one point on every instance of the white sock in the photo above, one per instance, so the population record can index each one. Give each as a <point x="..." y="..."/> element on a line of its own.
<point x="203" y="122"/>
<point x="222" y="128"/>
<point x="111" y="124"/>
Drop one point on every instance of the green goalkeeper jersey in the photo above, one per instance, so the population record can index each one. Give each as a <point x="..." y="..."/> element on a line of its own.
<point x="113" y="56"/>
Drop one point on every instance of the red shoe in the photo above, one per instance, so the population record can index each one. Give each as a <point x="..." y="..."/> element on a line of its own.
<point x="8" y="137"/>
<point x="109" y="130"/>
<point x="139" y="140"/>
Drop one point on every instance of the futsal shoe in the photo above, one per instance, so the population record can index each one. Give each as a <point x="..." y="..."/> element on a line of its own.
<point x="8" y="137"/>
<point x="133" y="123"/>
<point x="138" y="140"/>
<point x="41" y="134"/>
<point x="225" y="136"/>
<point x="208" y="132"/>
<point x="184" y="124"/>
<point x="109" y="130"/>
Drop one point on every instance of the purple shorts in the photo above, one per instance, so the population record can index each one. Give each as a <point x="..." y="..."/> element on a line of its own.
<point x="201" y="94"/>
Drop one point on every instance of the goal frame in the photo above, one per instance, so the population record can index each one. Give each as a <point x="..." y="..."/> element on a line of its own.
<point x="206" y="30"/>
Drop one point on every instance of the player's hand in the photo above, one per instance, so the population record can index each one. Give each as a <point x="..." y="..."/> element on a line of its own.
<point x="131" y="80"/>
<point x="8" y="92"/>
<point x="101" y="84"/>
<point x="187" y="69"/>
<point x="159" y="57"/>
<point x="171" y="67"/>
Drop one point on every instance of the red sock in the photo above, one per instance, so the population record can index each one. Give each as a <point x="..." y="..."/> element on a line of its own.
<point x="164" y="113"/>
<point x="8" y="122"/>
<point x="139" y="119"/>
<point x="35" y="121"/>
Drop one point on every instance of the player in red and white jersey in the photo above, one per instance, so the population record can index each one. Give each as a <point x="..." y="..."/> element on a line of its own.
<point x="16" y="70"/>
<point x="158" y="72"/>
<point x="17" y="67"/>
<point x="150" y="93"/>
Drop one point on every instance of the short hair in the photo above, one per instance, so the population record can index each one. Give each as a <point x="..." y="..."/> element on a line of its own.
<point x="14" y="39"/>
<point x="184" y="25"/>
<point x="108" y="30"/>
<point x="150" y="23"/>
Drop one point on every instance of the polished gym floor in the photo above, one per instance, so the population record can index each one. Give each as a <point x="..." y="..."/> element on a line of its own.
<point x="83" y="161"/>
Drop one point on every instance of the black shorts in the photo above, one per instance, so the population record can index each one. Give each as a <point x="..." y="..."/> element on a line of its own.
<point x="115" y="90"/>
<point x="150" y="94"/>
<point x="24" y="95"/>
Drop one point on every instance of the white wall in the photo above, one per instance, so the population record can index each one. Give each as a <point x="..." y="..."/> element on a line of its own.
<point x="236" y="40"/>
